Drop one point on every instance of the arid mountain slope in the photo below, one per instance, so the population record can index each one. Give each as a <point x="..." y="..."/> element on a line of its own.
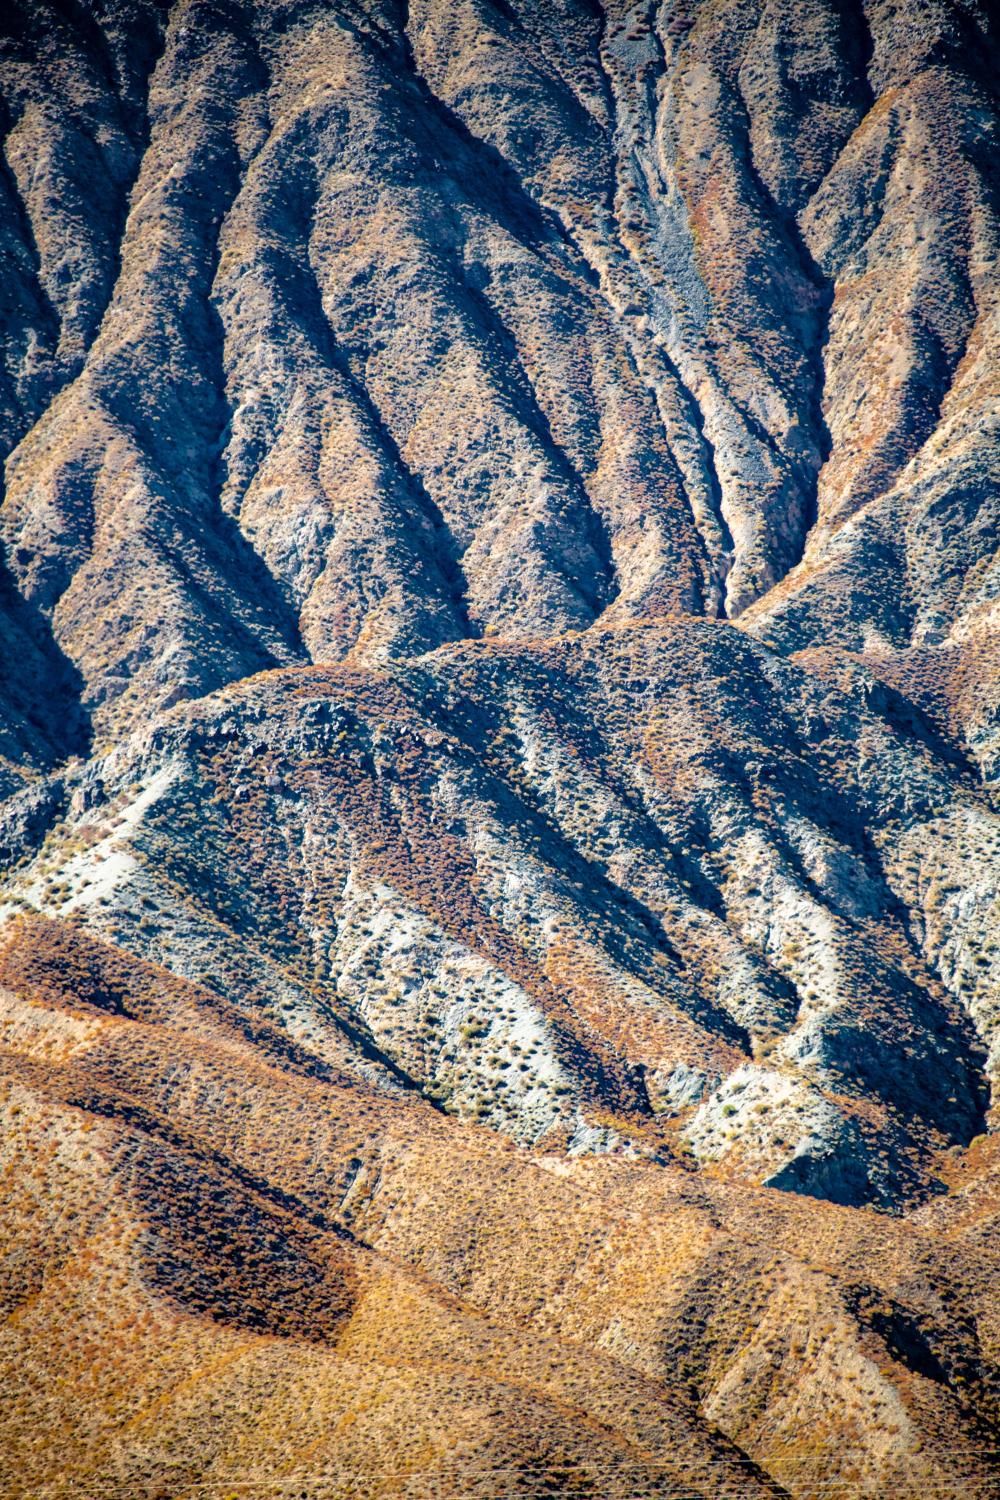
<point x="268" y="1275"/>
<point x="499" y="929"/>
<point x="355" y="329"/>
<point x="683" y="919"/>
<point x="654" y="870"/>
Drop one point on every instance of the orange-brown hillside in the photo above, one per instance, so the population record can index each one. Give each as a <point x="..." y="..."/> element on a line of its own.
<point x="499" y="848"/>
<point x="265" y="1272"/>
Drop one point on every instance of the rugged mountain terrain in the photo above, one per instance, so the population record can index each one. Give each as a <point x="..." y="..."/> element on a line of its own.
<point x="498" y="748"/>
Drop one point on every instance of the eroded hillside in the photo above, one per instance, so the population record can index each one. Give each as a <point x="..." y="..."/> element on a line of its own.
<point x="352" y="330"/>
<point x="498" y="711"/>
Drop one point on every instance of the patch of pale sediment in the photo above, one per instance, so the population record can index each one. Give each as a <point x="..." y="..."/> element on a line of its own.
<point x="466" y="1031"/>
<point x="90" y="865"/>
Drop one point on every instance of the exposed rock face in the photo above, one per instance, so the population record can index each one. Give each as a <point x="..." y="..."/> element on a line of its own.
<point x="336" y="335"/>
<point x="653" y="870"/>
<point x="498" y="746"/>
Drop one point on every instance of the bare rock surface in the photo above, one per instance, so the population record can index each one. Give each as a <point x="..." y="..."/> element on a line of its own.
<point x="499" y="929"/>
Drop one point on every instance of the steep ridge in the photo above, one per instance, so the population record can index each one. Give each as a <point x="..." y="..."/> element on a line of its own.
<point x="468" y="319"/>
<point x="498" y="746"/>
<point x="649" y="886"/>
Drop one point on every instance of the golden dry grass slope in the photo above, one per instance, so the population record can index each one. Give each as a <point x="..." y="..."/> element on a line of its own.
<point x="499" y="934"/>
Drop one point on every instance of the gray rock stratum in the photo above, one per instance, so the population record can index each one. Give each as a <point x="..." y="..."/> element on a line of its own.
<point x="498" y="687"/>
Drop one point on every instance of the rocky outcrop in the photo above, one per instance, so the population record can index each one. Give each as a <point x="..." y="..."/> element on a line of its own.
<point x="381" y="330"/>
<point x="498" y="746"/>
<point x="652" y="880"/>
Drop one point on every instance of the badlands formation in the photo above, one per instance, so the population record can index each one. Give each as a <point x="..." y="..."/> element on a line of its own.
<point x="499" y="843"/>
